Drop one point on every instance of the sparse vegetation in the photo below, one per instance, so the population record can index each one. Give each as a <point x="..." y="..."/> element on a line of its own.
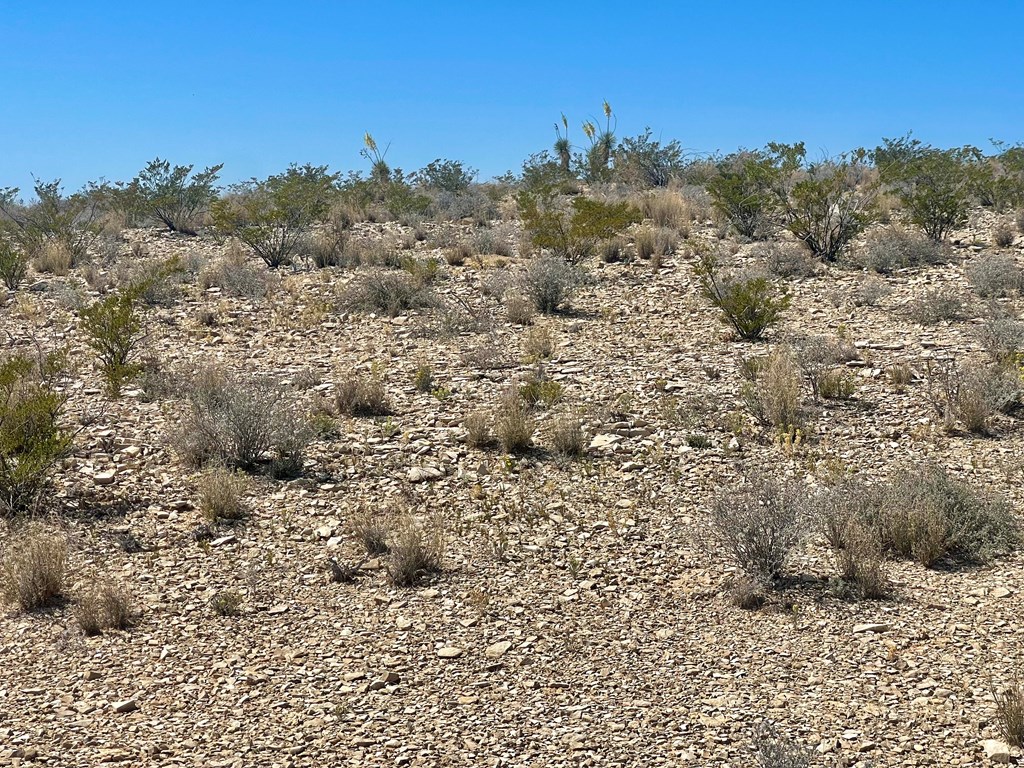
<point x="114" y="329"/>
<point x="33" y="568"/>
<point x="749" y="303"/>
<point x="221" y="495"/>
<point x="104" y="605"/>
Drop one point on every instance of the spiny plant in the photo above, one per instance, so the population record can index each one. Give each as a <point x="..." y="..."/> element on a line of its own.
<point x="379" y="170"/>
<point x="602" y="144"/>
<point x="563" y="147"/>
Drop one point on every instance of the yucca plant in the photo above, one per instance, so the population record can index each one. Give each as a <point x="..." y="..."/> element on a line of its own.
<point x="379" y="170"/>
<point x="563" y="147"/>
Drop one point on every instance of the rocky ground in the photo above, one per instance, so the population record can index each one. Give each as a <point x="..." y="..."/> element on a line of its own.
<point x="580" y="619"/>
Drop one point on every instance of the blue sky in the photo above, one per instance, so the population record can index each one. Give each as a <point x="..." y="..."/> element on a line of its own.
<point x="97" y="89"/>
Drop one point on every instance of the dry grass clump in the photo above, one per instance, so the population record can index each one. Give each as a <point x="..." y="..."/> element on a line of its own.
<point x="786" y="259"/>
<point x="390" y="292"/>
<point x="774" y="394"/>
<point x="371" y="529"/>
<point x="53" y="258"/>
<point x="539" y="344"/>
<point x="226" y="602"/>
<point x="362" y="394"/>
<point x="415" y="552"/>
<point x="221" y="495"/>
<point x="772" y="750"/>
<point x="235" y="275"/>
<point x="995" y="275"/>
<point x="519" y="310"/>
<point x="1003" y="236"/>
<point x="667" y="208"/>
<point x="458" y="254"/>
<point x="613" y="250"/>
<point x="105" y="605"/>
<point x="1010" y="712"/>
<point x="653" y="242"/>
<point x="890" y="248"/>
<point x="566" y="436"/>
<point x="513" y="422"/>
<point x="1003" y="339"/>
<point x="33" y="568"/>
<point x="478" y="429"/>
<point x="869" y="291"/>
<point x="758" y="523"/>
<point x="494" y="241"/>
<point x="972" y="396"/>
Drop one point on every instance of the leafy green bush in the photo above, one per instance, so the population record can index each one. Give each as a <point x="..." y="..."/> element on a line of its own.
<point x="573" y="232"/>
<point x="68" y="222"/>
<point x="750" y="304"/>
<point x="13" y="263"/>
<point x="32" y="441"/>
<point x="167" y="194"/>
<point x="645" y="163"/>
<point x="274" y="216"/>
<point x="746" y="188"/>
<point x="936" y="186"/>
<point x="114" y="329"/>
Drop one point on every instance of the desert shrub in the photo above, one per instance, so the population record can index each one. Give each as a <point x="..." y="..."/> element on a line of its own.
<point x="416" y="552"/>
<point x="173" y="195"/>
<point x="389" y="292"/>
<point x="423" y="378"/>
<point x="519" y="310"/>
<point x="58" y="224"/>
<point x="513" y="423"/>
<point x="33" y="568"/>
<point x="773" y="750"/>
<point x="53" y="258"/>
<point x="104" y="605"/>
<point x="273" y="217"/>
<point x="743" y="190"/>
<point x="900" y="374"/>
<point x="749" y="303"/>
<point x="360" y="394"/>
<point x="842" y="516"/>
<point x="644" y="162"/>
<point x="478" y="429"/>
<point x="240" y="423"/>
<point x="154" y="283"/>
<point x="326" y="248"/>
<point x="32" y="440"/>
<point x="869" y="291"/>
<point x="13" y="263"/>
<point x="221" y="493"/>
<point x="935" y="306"/>
<point x="538" y="391"/>
<point x="774" y="395"/>
<point x="758" y="524"/>
<point x="1003" y="338"/>
<point x="572" y="233"/>
<point x="371" y="528"/>
<point x="652" y="242"/>
<point x="495" y="241"/>
<point x="113" y="328"/>
<point x="549" y="282"/>
<point x="972" y="396"/>
<point x="226" y="602"/>
<point x="612" y="251"/>
<point x="1010" y="712"/>
<point x="926" y="515"/>
<point x="1002" y="236"/>
<point x="995" y="275"/>
<point x="786" y="259"/>
<point x="566" y="435"/>
<point x="667" y="208"/>
<point x="457" y="255"/>
<point x="817" y="357"/>
<point x="826" y="207"/>
<point x="935" y="186"/>
<point x="235" y="276"/>
<point x="890" y="248"/>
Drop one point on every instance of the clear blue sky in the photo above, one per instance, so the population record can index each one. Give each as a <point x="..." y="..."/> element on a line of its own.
<point x="96" y="89"/>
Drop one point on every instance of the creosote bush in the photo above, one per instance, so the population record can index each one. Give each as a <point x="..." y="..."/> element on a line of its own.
<point x="758" y="523"/>
<point x="13" y="263"/>
<point x="33" y="568"/>
<point x="241" y="423"/>
<point x="113" y="327"/>
<point x="749" y="303"/>
<point x="32" y="438"/>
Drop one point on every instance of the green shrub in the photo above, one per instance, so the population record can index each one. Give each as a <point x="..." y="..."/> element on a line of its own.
<point x="32" y="441"/>
<point x="273" y="217"/>
<point x="167" y="194"/>
<point x="750" y="304"/>
<point x="113" y="327"/>
<point x="13" y="263"/>
<point x="746" y="189"/>
<point x="644" y="163"/>
<point x="67" y="223"/>
<point x="936" y="186"/>
<point x="574" y="232"/>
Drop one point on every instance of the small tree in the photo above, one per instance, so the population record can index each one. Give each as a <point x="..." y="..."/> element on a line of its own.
<point x="748" y="187"/>
<point x="273" y="217"/>
<point x="449" y="176"/>
<point x="68" y="221"/>
<point x="749" y="303"/>
<point x="647" y="163"/>
<point x="114" y="329"/>
<point x="167" y="194"/>
<point x="935" y="185"/>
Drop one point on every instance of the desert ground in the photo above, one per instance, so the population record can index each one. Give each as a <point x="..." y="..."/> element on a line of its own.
<point x="583" y="613"/>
